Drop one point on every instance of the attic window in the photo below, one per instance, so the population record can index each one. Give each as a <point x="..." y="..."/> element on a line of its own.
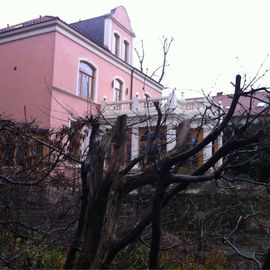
<point x="116" y="44"/>
<point x="126" y="51"/>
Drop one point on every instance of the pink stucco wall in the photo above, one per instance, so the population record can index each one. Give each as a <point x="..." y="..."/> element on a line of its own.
<point x="141" y="88"/>
<point x="66" y="107"/>
<point x="123" y="36"/>
<point x="121" y="16"/>
<point x="66" y="67"/>
<point x="26" y="76"/>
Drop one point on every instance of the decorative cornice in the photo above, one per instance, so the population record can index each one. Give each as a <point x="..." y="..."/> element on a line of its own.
<point x="119" y="24"/>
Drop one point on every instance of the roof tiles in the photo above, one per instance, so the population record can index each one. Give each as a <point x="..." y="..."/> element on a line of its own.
<point x="39" y="20"/>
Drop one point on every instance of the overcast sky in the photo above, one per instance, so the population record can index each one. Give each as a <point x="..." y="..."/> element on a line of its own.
<point x="213" y="39"/>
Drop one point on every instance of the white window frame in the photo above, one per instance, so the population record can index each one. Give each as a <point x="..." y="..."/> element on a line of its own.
<point x="95" y="88"/>
<point x="122" y="98"/>
<point x="124" y="50"/>
<point x="119" y="44"/>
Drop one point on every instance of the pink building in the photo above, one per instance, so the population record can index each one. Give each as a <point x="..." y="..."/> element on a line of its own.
<point x="51" y="70"/>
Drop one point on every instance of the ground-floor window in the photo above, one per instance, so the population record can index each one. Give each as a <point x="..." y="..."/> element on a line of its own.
<point x="75" y="137"/>
<point x="21" y="150"/>
<point x="152" y="148"/>
<point x="126" y="157"/>
<point x="196" y="137"/>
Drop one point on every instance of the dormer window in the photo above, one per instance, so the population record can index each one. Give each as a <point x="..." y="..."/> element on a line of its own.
<point x="86" y="80"/>
<point x="116" y="44"/>
<point x="126" y="51"/>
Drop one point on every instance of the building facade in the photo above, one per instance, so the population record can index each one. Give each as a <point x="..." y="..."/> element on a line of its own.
<point x="52" y="69"/>
<point x="52" y="72"/>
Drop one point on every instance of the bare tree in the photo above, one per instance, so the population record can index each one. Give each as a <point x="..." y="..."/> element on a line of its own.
<point x="39" y="194"/>
<point x="140" y="56"/>
<point x="106" y="182"/>
<point x="107" y="187"/>
<point x="159" y="72"/>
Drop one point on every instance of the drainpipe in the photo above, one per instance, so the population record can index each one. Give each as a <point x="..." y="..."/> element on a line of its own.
<point x="131" y="83"/>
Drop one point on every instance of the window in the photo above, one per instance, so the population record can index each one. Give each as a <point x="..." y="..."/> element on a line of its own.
<point x="126" y="51"/>
<point x="75" y="136"/>
<point x="23" y="154"/>
<point x="116" y="44"/>
<point x="21" y="150"/>
<point x="194" y="161"/>
<point x="86" y="80"/>
<point x="127" y="154"/>
<point x="8" y="146"/>
<point x="37" y="150"/>
<point x="126" y="157"/>
<point x="155" y="148"/>
<point x="117" y="90"/>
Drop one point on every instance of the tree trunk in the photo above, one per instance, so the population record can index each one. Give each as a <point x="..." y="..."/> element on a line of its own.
<point x="104" y="204"/>
<point x="156" y="220"/>
<point x="266" y="263"/>
<point x="76" y="245"/>
<point x="94" y="223"/>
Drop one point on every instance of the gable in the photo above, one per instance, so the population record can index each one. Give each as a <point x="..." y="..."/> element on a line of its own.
<point x="121" y="16"/>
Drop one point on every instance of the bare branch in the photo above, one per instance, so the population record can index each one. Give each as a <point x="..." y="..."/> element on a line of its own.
<point x="140" y="56"/>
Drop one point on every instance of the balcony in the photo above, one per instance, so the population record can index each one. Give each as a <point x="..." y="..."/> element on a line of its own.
<point x="168" y="104"/>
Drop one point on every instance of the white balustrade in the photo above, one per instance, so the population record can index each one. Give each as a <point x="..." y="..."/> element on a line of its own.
<point x="168" y="102"/>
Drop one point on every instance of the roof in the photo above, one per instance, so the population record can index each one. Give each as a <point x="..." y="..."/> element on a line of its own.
<point x="91" y="28"/>
<point x="258" y="101"/>
<point x="39" y="20"/>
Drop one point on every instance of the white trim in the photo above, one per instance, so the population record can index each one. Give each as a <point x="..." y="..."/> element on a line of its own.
<point x="121" y="25"/>
<point x="91" y="63"/>
<point x="131" y="51"/>
<point x="17" y="34"/>
<point x="135" y="143"/>
<point x="65" y="92"/>
<point x="108" y="33"/>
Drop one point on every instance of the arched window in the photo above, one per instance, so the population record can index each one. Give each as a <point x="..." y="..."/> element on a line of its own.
<point x="86" y="80"/>
<point x="116" y="44"/>
<point x="126" y="51"/>
<point x="117" y="90"/>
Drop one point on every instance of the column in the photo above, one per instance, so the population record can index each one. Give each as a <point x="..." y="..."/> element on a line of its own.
<point x="207" y="151"/>
<point x="170" y="137"/>
<point x="135" y="144"/>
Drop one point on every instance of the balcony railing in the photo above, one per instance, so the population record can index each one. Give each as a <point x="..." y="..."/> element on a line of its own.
<point x="147" y="104"/>
<point x="192" y="105"/>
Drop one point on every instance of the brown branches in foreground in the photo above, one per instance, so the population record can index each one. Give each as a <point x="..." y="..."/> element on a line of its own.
<point x="107" y="181"/>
